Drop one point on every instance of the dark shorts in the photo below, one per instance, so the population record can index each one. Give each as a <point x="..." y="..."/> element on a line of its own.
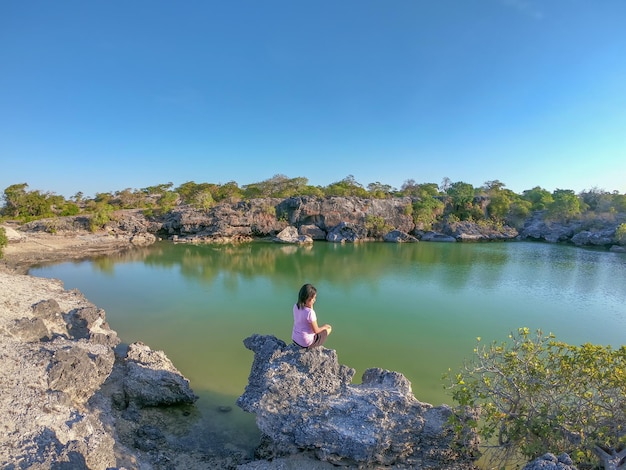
<point x="318" y="341"/>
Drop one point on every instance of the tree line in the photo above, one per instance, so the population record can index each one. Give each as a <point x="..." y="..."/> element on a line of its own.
<point x="431" y="202"/>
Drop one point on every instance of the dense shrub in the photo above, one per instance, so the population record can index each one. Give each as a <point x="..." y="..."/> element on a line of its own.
<point x="3" y="241"/>
<point x="540" y="395"/>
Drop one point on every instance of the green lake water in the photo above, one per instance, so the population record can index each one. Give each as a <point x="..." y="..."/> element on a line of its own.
<point x="412" y="308"/>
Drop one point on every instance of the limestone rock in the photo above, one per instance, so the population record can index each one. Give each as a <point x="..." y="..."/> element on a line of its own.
<point x="313" y="231"/>
<point x="397" y="236"/>
<point x="470" y="231"/>
<point x="79" y="372"/>
<point x="599" y="238"/>
<point x="346" y="232"/>
<point x="551" y="462"/>
<point x="47" y="310"/>
<point x="29" y="329"/>
<point x="152" y="380"/>
<point x="431" y="236"/>
<point x="304" y="401"/>
<point x="291" y="235"/>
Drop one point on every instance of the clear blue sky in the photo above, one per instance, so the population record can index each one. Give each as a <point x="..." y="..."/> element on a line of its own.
<point x="100" y="96"/>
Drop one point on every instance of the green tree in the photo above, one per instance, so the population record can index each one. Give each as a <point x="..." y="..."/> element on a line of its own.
<point x="461" y="199"/>
<point x="565" y="206"/>
<point x="539" y="198"/>
<point x="346" y="187"/>
<point x="28" y="205"/>
<point x="101" y="215"/>
<point x="276" y="186"/>
<point x="378" y="190"/>
<point x="500" y="199"/>
<point x="539" y="395"/>
<point x="228" y="191"/>
<point x="618" y="202"/>
<point x="14" y="200"/>
<point x="426" y="208"/>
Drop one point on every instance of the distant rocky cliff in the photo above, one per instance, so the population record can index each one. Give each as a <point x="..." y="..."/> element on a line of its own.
<point x="334" y="219"/>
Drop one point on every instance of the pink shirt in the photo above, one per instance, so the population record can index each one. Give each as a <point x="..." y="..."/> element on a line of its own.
<point x="303" y="333"/>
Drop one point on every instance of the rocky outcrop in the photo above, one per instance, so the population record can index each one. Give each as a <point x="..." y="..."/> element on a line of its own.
<point x="551" y="462"/>
<point x="304" y="401"/>
<point x="241" y="220"/>
<point x="71" y="396"/>
<point x="328" y="213"/>
<point x="470" y="231"/>
<point x="347" y="232"/>
<point x="599" y="231"/>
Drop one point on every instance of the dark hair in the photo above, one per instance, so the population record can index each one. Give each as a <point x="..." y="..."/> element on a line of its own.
<point x="307" y="292"/>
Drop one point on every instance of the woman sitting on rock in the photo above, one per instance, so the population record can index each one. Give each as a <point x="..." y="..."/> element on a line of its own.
<point x="306" y="333"/>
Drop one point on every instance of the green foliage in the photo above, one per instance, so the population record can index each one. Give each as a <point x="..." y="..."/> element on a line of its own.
<point x="461" y="198"/>
<point x="500" y="199"/>
<point x="426" y="211"/>
<point x="620" y="234"/>
<point x="619" y="202"/>
<point x="101" y="215"/>
<point x="70" y="208"/>
<point x="539" y="395"/>
<point x="376" y="226"/>
<point x="277" y="186"/>
<point x="167" y="201"/>
<point x="4" y="241"/>
<point x="228" y="191"/>
<point x="378" y="190"/>
<point x="346" y="187"/>
<point x="27" y="205"/>
<point x="565" y="206"/>
<point x="539" y="198"/>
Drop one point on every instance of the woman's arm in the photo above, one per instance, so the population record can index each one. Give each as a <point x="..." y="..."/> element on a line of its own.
<point x="318" y="329"/>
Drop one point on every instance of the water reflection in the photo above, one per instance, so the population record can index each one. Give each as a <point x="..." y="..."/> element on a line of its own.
<point x="415" y="308"/>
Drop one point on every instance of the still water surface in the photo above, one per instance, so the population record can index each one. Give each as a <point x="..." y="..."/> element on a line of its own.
<point x="412" y="308"/>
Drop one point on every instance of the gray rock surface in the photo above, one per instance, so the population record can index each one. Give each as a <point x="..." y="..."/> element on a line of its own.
<point x="304" y="401"/>
<point x="551" y="462"/>
<point x="152" y="380"/>
<point x="398" y="236"/>
<point x="67" y="401"/>
<point x="291" y="235"/>
<point x="346" y="232"/>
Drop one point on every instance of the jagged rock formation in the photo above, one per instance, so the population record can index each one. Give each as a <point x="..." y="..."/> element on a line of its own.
<point x="304" y="401"/>
<point x="71" y="396"/>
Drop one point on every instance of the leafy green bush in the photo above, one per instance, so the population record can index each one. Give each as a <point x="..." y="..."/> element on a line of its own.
<point x="540" y="395"/>
<point x="101" y="215"/>
<point x="376" y="226"/>
<point x="4" y="241"/>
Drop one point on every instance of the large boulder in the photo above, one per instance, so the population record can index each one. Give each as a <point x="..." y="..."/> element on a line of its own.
<point x="304" y="402"/>
<point x="152" y="380"/>
<point x="291" y="235"/>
